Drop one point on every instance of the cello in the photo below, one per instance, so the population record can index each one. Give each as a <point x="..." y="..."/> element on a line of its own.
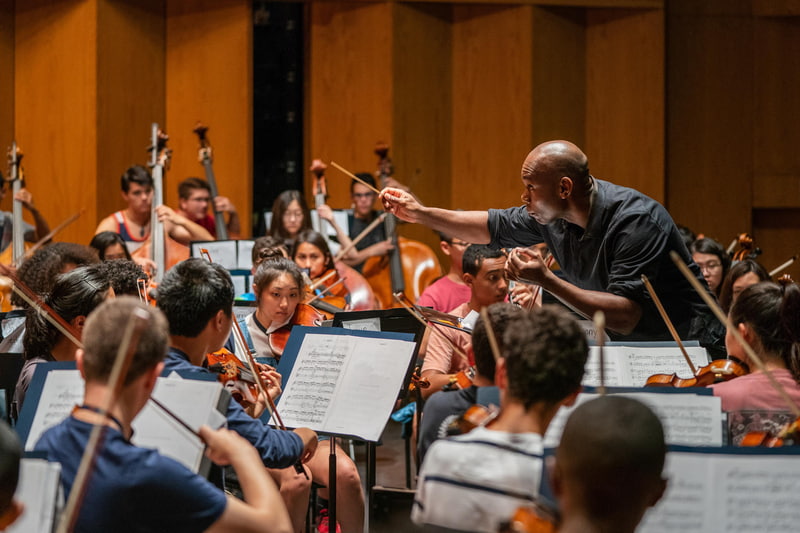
<point x="410" y="265"/>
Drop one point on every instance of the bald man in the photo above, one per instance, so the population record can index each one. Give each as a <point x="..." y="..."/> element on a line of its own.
<point x="603" y="236"/>
<point x="608" y="467"/>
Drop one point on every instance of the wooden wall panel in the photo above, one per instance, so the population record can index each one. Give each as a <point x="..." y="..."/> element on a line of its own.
<point x="423" y="90"/>
<point x="6" y="86"/>
<point x="710" y="121"/>
<point x="55" y="108"/>
<point x="129" y="98"/>
<point x="559" y="75"/>
<point x="209" y="77"/>
<point x="625" y="98"/>
<point x="492" y="107"/>
<point x="350" y="89"/>
<point x="776" y="232"/>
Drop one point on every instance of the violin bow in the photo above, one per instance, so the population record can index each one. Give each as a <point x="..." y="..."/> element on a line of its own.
<point x="401" y="297"/>
<point x="326" y="290"/>
<point x="668" y="322"/>
<point x="372" y="225"/>
<point x="600" y="329"/>
<point x="720" y="314"/>
<point x="55" y="231"/>
<point x="777" y="270"/>
<point x="116" y="380"/>
<point x="490" y="334"/>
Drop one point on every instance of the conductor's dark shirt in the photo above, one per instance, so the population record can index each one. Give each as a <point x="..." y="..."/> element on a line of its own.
<point x="627" y="235"/>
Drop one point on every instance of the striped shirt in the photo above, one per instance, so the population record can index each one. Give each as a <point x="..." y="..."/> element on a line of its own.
<point x="476" y="481"/>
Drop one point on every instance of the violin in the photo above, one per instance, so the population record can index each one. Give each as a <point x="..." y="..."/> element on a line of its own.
<point x="533" y="518"/>
<point x="475" y="416"/>
<point x="461" y="380"/>
<point x="789" y="435"/>
<point x="715" y="372"/>
<point x="304" y="315"/>
<point x="234" y="376"/>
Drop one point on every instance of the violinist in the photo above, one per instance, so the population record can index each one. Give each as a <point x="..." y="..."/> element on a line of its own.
<point x="264" y="249"/>
<point x="740" y="276"/>
<point x="475" y="481"/>
<point x="197" y="300"/>
<point x="603" y="236"/>
<point x="608" y="466"/>
<point x="194" y="197"/>
<point x="485" y="277"/>
<point x="279" y="288"/>
<point x="443" y="407"/>
<point x="450" y="290"/>
<point x="110" y="246"/>
<point x="124" y="276"/>
<point x="31" y="233"/>
<point x="713" y="261"/>
<point x="768" y="317"/>
<point x="73" y="296"/>
<point x="312" y="255"/>
<point x="290" y="216"/>
<point x="138" y="489"/>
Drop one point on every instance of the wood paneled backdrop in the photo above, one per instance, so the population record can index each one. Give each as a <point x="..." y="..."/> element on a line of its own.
<point x="690" y="101"/>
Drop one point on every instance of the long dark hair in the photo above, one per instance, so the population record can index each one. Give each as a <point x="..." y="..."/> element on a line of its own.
<point x="314" y="238"/>
<point x="773" y="313"/>
<point x="103" y="240"/>
<point x="74" y="294"/>
<point x="276" y="228"/>
<point x="737" y="271"/>
<point x="268" y="271"/>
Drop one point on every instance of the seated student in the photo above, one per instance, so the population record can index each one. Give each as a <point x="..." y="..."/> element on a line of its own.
<point x="30" y="233"/>
<point x="279" y="287"/>
<point x="138" y="489"/>
<point x="312" y="255"/>
<point x="124" y="276"/>
<point x="264" y="248"/>
<point x="110" y="246"/>
<point x="10" y="456"/>
<point x="290" y="216"/>
<point x="767" y="316"/>
<point x="475" y="481"/>
<point x="608" y="466"/>
<point x="485" y="276"/>
<point x="194" y="197"/>
<point x="197" y="299"/>
<point x="740" y="276"/>
<point x="74" y="295"/>
<point x="713" y="261"/>
<point x="449" y="291"/>
<point x="444" y="407"/>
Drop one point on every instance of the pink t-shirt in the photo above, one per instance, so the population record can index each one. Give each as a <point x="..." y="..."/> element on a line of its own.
<point x="754" y="392"/>
<point x="440" y="354"/>
<point x="444" y="294"/>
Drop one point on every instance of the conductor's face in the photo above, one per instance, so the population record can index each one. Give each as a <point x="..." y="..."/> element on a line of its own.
<point x="542" y="198"/>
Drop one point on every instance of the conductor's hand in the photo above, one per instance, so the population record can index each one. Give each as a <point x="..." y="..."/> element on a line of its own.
<point x="527" y="265"/>
<point x="401" y="203"/>
<point x="310" y="442"/>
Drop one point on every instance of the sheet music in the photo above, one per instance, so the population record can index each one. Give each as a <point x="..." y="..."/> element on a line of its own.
<point x="630" y="366"/>
<point x="688" y="419"/>
<point x="39" y="490"/>
<point x="63" y="390"/>
<point x="244" y="254"/>
<point x="345" y="384"/>
<point x="222" y="252"/>
<point x="365" y="324"/>
<point x="195" y="402"/>
<point x="728" y="492"/>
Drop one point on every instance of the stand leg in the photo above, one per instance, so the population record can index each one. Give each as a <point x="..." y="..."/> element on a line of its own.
<point x="332" y="487"/>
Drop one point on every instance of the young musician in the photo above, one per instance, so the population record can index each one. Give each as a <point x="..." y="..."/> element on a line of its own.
<point x="30" y="233"/>
<point x="608" y="467"/>
<point x="194" y="198"/>
<point x="74" y="295"/>
<point x="485" y="276"/>
<point x="475" y="481"/>
<point x="133" y="222"/>
<point x="444" y="407"/>
<point x="290" y="216"/>
<point x="137" y="489"/>
<point x="279" y="288"/>
<point x="197" y="299"/>
<point x="740" y="276"/>
<point x="450" y="290"/>
<point x="713" y="261"/>
<point x="110" y="246"/>
<point x="10" y="456"/>
<point x="767" y="315"/>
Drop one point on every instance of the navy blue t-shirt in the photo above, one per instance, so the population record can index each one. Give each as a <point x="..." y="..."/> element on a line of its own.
<point x="278" y="449"/>
<point x="131" y="489"/>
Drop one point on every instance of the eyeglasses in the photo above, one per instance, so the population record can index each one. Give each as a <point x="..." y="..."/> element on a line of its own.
<point x="711" y="265"/>
<point x="203" y="199"/>
<point x="298" y="215"/>
<point x="363" y="194"/>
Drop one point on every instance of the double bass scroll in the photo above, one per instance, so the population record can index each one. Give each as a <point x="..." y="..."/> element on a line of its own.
<point x="205" y="156"/>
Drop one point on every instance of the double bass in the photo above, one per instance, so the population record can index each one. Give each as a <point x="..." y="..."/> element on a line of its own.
<point x="411" y="265"/>
<point x="205" y="159"/>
